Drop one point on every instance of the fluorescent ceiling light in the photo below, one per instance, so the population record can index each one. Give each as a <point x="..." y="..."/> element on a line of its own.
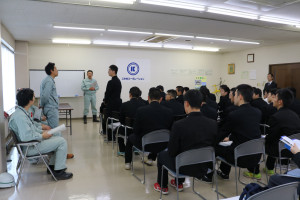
<point x="278" y="20"/>
<point x="206" y="49"/>
<point x="245" y="42"/>
<point x="79" y="28"/>
<point x="70" y="41"/>
<point x="120" y="1"/>
<point x="175" y="4"/>
<point x="110" y="42"/>
<point x="174" y="46"/>
<point x="174" y="35"/>
<point x="208" y="38"/>
<point x="298" y="26"/>
<point x="135" y="32"/>
<point x="232" y="13"/>
<point x="144" y="44"/>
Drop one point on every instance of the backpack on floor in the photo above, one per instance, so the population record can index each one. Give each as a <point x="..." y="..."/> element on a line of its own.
<point x="251" y="189"/>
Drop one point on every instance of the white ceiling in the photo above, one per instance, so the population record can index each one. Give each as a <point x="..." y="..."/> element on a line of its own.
<point x="33" y="21"/>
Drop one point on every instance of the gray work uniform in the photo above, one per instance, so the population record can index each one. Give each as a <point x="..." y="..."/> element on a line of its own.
<point x="49" y="100"/>
<point x="89" y="95"/>
<point x="25" y="130"/>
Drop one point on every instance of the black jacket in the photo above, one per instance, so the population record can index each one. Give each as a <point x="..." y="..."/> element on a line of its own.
<point x="129" y="108"/>
<point x="270" y="86"/>
<point x="194" y="131"/>
<point x="209" y="112"/>
<point x="283" y="122"/>
<point x="176" y="107"/>
<point x="223" y="104"/>
<point x="262" y="106"/>
<point x="113" y="92"/>
<point x="243" y="124"/>
<point x="152" y="117"/>
<point x="180" y="99"/>
<point x="295" y="106"/>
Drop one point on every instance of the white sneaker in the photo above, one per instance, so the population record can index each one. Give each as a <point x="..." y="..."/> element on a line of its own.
<point x="149" y="162"/>
<point x="127" y="166"/>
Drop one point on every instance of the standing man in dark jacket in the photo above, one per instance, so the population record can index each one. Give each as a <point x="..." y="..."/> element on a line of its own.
<point x="148" y="118"/>
<point x="171" y="103"/>
<point x="194" y="131"/>
<point x="112" y="94"/>
<point x="270" y="84"/>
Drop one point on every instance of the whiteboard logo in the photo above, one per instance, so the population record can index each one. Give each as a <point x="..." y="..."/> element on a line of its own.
<point x="133" y="68"/>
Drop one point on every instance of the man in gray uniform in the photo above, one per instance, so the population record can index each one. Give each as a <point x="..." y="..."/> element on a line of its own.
<point x="49" y="99"/>
<point x="89" y="86"/>
<point x="25" y="130"/>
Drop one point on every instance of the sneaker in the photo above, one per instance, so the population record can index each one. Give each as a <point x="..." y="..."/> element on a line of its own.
<point x="206" y="179"/>
<point x="158" y="189"/>
<point x="269" y="172"/>
<point x="127" y="166"/>
<point x="173" y="184"/>
<point x="147" y="161"/>
<point x="121" y="153"/>
<point x="252" y="175"/>
<point x="222" y="175"/>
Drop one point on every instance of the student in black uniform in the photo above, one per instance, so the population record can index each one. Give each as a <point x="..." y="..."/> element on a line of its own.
<point x="148" y="118"/>
<point x="224" y="100"/>
<point x="112" y="94"/>
<point x="241" y="126"/>
<point x="259" y="103"/>
<point x="295" y="106"/>
<point x="171" y="103"/>
<point x="128" y="109"/>
<point x="230" y="108"/>
<point x="179" y="90"/>
<point x="205" y="92"/>
<point x="161" y="89"/>
<point x="185" y="89"/>
<point x="207" y="110"/>
<point x="187" y="135"/>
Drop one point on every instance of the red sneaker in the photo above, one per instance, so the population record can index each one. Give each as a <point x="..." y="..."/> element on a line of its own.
<point x="157" y="188"/>
<point x="173" y="184"/>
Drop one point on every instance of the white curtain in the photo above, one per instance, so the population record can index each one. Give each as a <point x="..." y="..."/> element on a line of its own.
<point x="8" y="78"/>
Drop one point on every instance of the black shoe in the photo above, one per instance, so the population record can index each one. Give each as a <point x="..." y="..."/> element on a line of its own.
<point x="95" y="118"/>
<point x="51" y="167"/>
<point x="84" y="119"/>
<point x="222" y="175"/>
<point x="206" y="179"/>
<point x="62" y="175"/>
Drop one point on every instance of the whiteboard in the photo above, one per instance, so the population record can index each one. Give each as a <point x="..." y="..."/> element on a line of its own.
<point x="68" y="82"/>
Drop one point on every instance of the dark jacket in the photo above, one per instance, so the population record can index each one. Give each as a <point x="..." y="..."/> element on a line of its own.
<point x="212" y="103"/>
<point x="129" y="108"/>
<point x="283" y="122"/>
<point x="243" y="124"/>
<point x="270" y="86"/>
<point x="180" y="99"/>
<point x="163" y="96"/>
<point x="295" y="106"/>
<point x="271" y="110"/>
<point x="262" y="106"/>
<point x="176" y="107"/>
<point x="152" y="117"/>
<point x="223" y="104"/>
<point x="209" y="112"/>
<point x="112" y="93"/>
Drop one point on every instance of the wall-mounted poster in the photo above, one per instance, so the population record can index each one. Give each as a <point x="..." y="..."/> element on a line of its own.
<point x="231" y="68"/>
<point x="200" y="81"/>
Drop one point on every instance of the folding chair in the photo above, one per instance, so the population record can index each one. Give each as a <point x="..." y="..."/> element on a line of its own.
<point x="191" y="157"/>
<point x="23" y="156"/>
<point x="286" y="191"/>
<point x="153" y="137"/>
<point x="114" y="118"/>
<point x="128" y="125"/>
<point x="264" y="126"/>
<point x="251" y="147"/>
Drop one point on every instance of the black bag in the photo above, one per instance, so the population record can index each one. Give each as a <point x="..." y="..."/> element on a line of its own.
<point x="251" y="189"/>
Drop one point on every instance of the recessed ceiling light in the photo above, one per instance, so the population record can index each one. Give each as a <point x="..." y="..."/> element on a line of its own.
<point x="70" y="41"/>
<point x="111" y="42"/>
<point x="209" y="38"/>
<point x="174" y="35"/>
<point x="175" y="4"/>
<point x="144" y="44"/>
<point x="206" y="49"/>
<point x="78" y="28"/>
<point x="278" y="20"/>
<point x="175" y="46"/>
<point x="232" y="13"/>
<point x="245" y="42"/>
<point x="134" y="32"/>
<point x="120" y="1"/>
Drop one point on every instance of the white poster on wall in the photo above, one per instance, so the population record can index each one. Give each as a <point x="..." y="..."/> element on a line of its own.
<point x="134" y="70"/>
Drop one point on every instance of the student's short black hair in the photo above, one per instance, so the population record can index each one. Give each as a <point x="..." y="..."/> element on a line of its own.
<point x="160" y="87"/>
<point x="49" y="67"/>
<point x="140" y="93"/>
<point x="271" y="75"/>
<point x="273" y="91"/>
<point x="267" y="90"/>
<point x="246" y="91"/>
<point x="179" y="89"/>
<point x="89" y="71"/>
<point x="205" y="92"/>
<point x="154" y="94"/>
<point x="194" y="97"/>
<point x="286" y="96"/>
<point x="172" y="93"/>
<point x="257" y="91"/>
<point x="24" y="96"/>
<point x="294" y="91"/>
<point x="233" y="91"/>
<point x="225" y="88"/>
<point x="186" y="89"/>
<point x="114" y="68"/>
<point x="135" y="92"/>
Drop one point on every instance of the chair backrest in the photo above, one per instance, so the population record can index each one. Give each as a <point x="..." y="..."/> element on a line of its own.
<point x="251" y="147"/>
<point x="129" y="121"/>
<point x="281" y="144"/>
<point x="115" y="114"/>
<point x="178" y="117"/>
<point x="195" y="156"/>
<point x="157" y="136"/>
<point x="286" y="192"/>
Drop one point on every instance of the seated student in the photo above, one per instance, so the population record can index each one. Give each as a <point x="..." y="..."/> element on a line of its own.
<point x="205" y="92"/>
<point x="207" y="110"/>
<point x="185" y="89"/>
<point x="283" y="122"/>
<point x="161" y="89"/>
<point x="187" y="135"/>
<point x="224" y="100"/>
<point x="148" y="118"/>
<point x="259" y="103"/>
<point x="179" y="90"/>
<point x="266" y="94"/>
<point x="295" y="106"/>
<point x="128" y="109"/>
<point x="141" y="99"/>
<point x="40" y="125"/>
<point x="271" y="110"/>
<point x="25" y="130"/>
<point x="171" y="103"/>
<point x="241" y="126"/>
<point x="230" y="108"/>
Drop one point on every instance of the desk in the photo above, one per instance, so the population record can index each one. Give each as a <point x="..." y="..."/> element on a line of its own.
<point x="65" y="109"/>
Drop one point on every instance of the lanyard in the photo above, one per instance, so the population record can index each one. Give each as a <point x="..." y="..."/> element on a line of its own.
<point x="26" y="115"/>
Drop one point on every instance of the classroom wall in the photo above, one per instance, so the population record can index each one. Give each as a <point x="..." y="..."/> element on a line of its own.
<point x="264" y="56"/>
<point x="21" y="64"/>
<point x="168" y="67"/>
<point x="7" y="36"/>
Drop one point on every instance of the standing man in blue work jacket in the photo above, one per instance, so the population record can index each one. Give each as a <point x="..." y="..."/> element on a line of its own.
<point x="89" y="86"/>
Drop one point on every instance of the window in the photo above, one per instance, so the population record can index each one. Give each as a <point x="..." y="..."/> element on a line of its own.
<point x="8" y="77"/>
